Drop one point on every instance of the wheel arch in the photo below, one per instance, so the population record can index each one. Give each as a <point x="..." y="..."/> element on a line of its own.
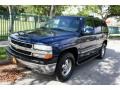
<point x="105" y="41"/>
<point x="72" y="50"/>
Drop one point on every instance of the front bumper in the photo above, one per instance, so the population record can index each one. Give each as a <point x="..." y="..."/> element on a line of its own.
<point x="43" y="69"/>
<point x="36" y="64"/>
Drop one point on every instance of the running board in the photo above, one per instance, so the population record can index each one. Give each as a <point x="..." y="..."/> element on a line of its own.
<point x="87" y="60"/>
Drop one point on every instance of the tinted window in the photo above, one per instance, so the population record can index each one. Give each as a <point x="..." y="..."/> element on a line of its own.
<point x="97" y="27"/>
<point x="63" y="23"/>
<point x="89" y="24"/>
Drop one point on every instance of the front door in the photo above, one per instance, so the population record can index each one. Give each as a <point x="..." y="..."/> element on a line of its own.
<point x="87" y="39"/>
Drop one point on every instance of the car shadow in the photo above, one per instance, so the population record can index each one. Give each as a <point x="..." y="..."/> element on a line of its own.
<point x="99" y="71"/>
<point x="35" y="78"/>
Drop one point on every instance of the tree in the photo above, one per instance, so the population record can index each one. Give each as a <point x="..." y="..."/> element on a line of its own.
<point x="100" y="10"/>
<point x="4" y="9"/>
<point x="11" y="15"/>
<point x="51" y="11"/>
<point x="37" y="9"/>
<point x="114" y="10"/>
<point x="44" y="9"/>
<point x="58" y="9"/>
<point x="104" y="11"/>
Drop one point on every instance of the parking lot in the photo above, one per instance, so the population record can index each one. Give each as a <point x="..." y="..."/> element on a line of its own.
<point x="95" y="72"/>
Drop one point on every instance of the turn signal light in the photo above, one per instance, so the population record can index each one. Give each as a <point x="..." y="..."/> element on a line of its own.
<point x="48" y="56"/>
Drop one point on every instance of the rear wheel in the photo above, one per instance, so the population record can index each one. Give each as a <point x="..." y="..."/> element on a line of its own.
<point x="102" y="51"/>
<point x="65" y="67"/>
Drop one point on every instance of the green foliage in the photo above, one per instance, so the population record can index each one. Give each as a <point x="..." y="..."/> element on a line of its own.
<point x="102" y="10"/>
<point x="3" y="9"/>
<point x="88" y="9"/>
<point x="58" y="9"/>
<point x="3" y="55"/>
<point x="44" y="9"/>
<point x="114" y="10"/>
<point x="94" y="9"/>
<point x="114" y="36"/>
<point x="19" y="9"/>
<point x="37" y="9"/>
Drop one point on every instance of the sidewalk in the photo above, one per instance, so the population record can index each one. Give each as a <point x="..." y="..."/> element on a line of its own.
<point x="3" y="43"/>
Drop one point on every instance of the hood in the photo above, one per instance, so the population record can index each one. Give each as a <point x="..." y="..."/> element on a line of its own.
<point x="43" y="36"/>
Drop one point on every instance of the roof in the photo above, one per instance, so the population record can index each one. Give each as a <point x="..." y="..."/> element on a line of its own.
<point x="79" y="17"/>
<point x="71" y="16"/>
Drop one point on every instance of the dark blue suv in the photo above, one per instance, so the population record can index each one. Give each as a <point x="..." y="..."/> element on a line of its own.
<point x="59" y="45"/>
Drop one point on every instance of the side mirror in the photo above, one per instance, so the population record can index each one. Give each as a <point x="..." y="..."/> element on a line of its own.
<point x="88" y="31"/>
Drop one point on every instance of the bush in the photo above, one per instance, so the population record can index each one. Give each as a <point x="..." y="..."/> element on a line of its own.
<point x="114" y="36"/>
<point x="3" y="55"/>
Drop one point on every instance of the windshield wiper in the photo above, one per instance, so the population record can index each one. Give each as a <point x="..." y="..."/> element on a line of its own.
<point x="59" y="29"/>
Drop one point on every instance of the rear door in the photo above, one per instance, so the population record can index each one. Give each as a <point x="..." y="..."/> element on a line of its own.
<point x="87" y="42"/>
<point x="98" y="32"/>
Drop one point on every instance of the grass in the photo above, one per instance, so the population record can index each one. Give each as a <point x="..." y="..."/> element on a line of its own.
<point x="114" y="36"/>
<point x="3" y="55"/>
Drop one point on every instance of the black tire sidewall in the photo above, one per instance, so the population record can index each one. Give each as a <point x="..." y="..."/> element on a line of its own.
<point x="62" y="59"/>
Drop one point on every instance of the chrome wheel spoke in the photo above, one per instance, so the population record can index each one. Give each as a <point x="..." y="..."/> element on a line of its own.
<point x="66" y="67"/>
<point x="103" y="51"/>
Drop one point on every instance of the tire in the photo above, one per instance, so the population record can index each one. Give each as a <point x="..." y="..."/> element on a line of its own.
<point x="63" y="73"/>
<point x="102" y="51"/>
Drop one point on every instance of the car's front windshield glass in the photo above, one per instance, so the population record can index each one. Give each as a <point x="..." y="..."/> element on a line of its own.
<point x="66" y="24"/>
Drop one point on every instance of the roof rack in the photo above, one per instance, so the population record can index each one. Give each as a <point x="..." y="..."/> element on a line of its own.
<point x="90" y="16"/>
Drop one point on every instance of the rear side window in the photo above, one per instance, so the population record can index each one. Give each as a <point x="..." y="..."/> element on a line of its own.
<point x="97" y="28"/>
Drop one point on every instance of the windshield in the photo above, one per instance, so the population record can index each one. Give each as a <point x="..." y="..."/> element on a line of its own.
<point x="67" y="24"/>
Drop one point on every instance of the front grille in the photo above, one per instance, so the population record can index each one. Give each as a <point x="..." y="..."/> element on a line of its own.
<point x="21" y="51"/>
<point x="21" y="44"/>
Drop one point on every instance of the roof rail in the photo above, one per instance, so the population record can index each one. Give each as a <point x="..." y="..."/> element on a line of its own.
<point x="90" y="16"/>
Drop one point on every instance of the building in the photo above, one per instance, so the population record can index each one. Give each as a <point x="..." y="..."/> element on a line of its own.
<point x="113" y="25"/>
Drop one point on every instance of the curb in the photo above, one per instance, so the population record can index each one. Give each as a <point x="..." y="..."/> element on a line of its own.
<point x="4" y="62"/>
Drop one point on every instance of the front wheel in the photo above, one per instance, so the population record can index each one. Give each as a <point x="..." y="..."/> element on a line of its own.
<point x="65" y="67"/>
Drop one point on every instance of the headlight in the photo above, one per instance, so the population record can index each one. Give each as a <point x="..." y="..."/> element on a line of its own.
<point x="42" y="47"/>
<point x="42" y="51"/>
